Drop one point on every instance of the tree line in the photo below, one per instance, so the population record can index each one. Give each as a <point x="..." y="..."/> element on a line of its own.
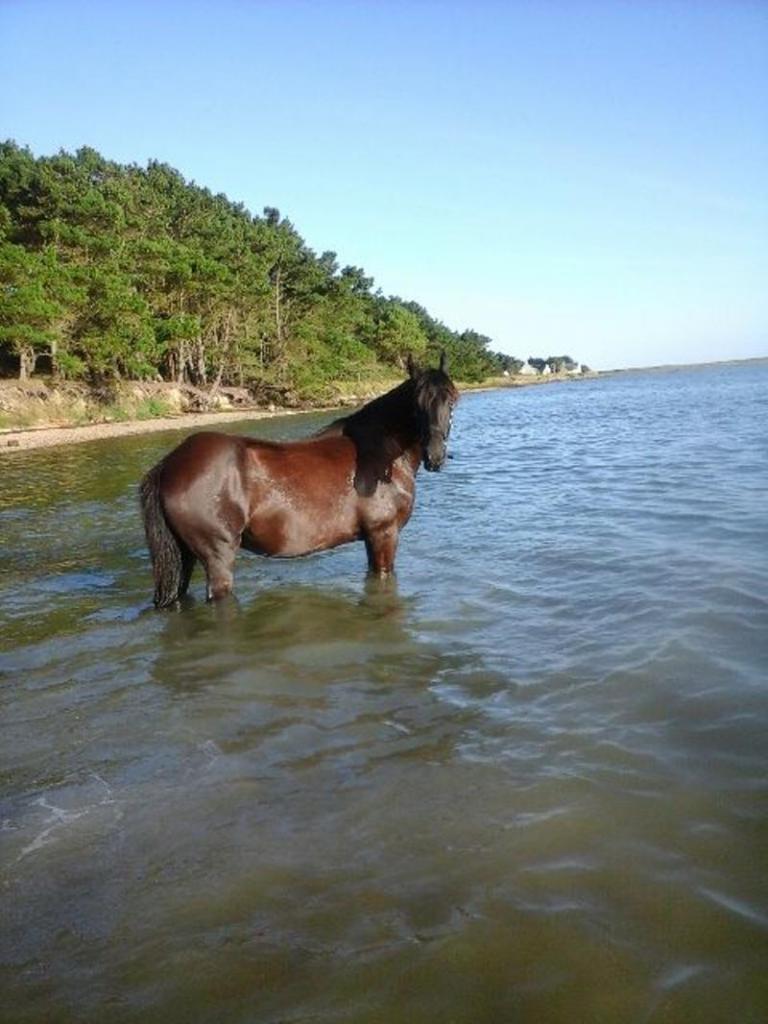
<point x="111" y="271"/>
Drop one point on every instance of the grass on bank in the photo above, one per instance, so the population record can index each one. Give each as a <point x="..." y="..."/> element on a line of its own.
<point x="67" y="411"/>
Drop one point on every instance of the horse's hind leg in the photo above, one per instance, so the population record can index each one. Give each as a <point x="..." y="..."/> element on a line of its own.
<point x="187" y="565"/>
<point x="220" y="578"/>
<point x="219" y="561"/>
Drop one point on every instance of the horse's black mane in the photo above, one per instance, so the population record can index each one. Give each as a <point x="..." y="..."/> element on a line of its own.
<point x="398" y="407"/>
<point x="382" y="426"/>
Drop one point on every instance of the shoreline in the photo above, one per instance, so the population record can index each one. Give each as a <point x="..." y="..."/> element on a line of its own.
<point x="29" y="438"/>
<point x="50" y="436"/>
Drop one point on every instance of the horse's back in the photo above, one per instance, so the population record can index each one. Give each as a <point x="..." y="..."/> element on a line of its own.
<point x="330" y="456"/>
<point x="200" y="452"/>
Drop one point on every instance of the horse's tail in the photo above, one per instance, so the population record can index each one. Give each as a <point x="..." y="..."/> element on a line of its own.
<point x="165" y="549"/>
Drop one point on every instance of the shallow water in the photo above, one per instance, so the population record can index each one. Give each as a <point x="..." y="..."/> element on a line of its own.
<point x="527" y="783"/>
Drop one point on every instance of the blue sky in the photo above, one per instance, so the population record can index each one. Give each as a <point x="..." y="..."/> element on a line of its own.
<point x="589" y="178"/>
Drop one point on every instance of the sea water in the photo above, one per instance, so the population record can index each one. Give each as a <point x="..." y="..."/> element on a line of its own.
<point x="526" y="782"/>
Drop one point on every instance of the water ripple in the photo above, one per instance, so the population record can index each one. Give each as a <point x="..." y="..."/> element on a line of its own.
<point x="528" y="783"/>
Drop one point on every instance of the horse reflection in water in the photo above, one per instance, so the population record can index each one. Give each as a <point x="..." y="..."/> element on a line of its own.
<point x="335" y="683"/>
<point x="355" y="480"/>
<point x="289" y="633"/>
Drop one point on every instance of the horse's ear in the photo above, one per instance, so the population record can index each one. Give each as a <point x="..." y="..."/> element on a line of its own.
<point x="410" y="366"/>
<point x="443" y="361"/>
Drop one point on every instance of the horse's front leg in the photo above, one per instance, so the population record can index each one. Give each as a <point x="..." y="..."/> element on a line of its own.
<point x="381" y="546"/>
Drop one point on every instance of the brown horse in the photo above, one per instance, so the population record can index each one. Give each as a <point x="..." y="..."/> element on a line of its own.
<point x="355" y="480"/>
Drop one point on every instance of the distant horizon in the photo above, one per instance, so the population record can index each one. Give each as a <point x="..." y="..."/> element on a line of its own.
<point x="574" y="178"/>
<point x="684" y="366"/>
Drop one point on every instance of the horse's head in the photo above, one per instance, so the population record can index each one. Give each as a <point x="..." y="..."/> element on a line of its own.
<point x="435" y="398"/>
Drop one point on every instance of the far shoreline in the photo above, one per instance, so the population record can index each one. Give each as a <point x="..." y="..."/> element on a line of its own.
<point x="14" y="440"/>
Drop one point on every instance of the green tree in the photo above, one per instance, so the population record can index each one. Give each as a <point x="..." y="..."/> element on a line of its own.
<point x="558" y="364"/>
<point x="34" y="308"/>
<point x="398" y="334"/>
<point x="510" y="363"/>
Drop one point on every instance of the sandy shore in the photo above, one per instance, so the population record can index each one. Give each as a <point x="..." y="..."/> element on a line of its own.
<point x="47" y="437"/>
